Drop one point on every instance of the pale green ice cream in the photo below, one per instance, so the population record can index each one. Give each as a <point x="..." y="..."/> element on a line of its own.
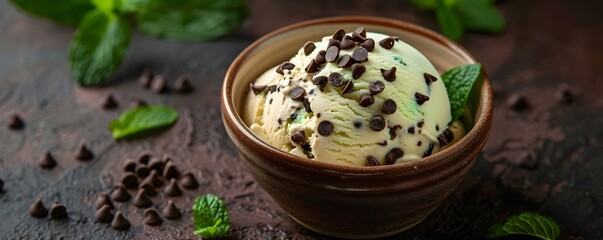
<point x="339" y="124"/>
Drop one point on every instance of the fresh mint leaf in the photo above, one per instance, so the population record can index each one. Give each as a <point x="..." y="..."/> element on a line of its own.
<point x="190" y="19"/>
<point x="527" y="223"/>
<point x="98" y="47"/>
<point x="69" y="12"/>
<point x="142" y="119"/>
<point x="448" y="20"/>
<point x="459" y="82"/>
<point x="105" y="6"/>
<point x="480" y="15"/>
<point x="210" y="216"/>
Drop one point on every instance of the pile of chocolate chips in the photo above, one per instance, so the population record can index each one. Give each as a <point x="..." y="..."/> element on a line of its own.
<point x="38" y="210"/>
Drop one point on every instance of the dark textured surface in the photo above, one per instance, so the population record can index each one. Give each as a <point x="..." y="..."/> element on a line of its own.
<point x="546" y="158"/>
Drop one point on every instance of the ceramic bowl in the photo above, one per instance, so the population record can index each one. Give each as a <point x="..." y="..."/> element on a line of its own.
<point x="354" y="201"/>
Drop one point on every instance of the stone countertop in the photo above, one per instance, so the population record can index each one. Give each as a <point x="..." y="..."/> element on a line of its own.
<point x="546" y="158"/>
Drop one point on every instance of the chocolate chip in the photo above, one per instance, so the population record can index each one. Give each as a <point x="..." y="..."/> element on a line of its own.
<point x="47" y="161"/>
<point x="369" y="44"/>
<point x="38" y="210"/>
<point x="437" y="127"/>
<point x="103" y="199"/>
<point x="321" y="82"/>
<point x="154" y="179"/>
<point x="411" y="130"/>
<point x="151" y="217"/>
<point x="120" y="222"/>
<point x="348" y="88"/>
<point x="84" y="153"/>
<point x="419" y="143"/>
<point x="183" y="84"/>
<point x="320" y="57"/>
<point x="312" y="67"/>
<point x="129" y="166"/>
<point x="144" y="158"/>
<point x="358" y="38"/>
<point x="393" y="155"/>
<point x="347" y="43"/>
<point x="120" y="194"/>
<point x="307" y="105"/>
<point x="339" y="34"/>
<point x="384" y="143"/>
<point x="103" y="214"/>
<point x="377" y="123"/>
<point x="445" y="137"/>
<point x="57" y="210"/>
<point x="357" y="124"/>
<point x="429" y="78"/>
<point x="297" y="93"/>
<point x="129" y="180"/>
<point x="171" y="211"/>
<point x="332" y="54"/>
<point x="272" y="88"/>
<point x="299" y="137"/>
<point x="285" y="66"/>
<point x="360" y="31"/>
<point x="156" y="164"/>
<point x="421" y="123"/>
<point x="333" y="43"/>
<point x="360" y="54"/>
<point x="387" y="43"/>
<point x="318" y="115"/>
<point x="309" y="47"/>
<point x="159" y="84"/>
<point x="366" y="100"/>
<point x="345" y="61"/>
<point x="15" y="122"/>
<point x="280" y="121"/>
<point x="372" y="161"/>
<point x="189" y="181"/>
<point x="172" y="189"/>
<point x="170" y="171"/>
<point x="145" y="78"/>
<point x="518" y="102"/>
<point x="336" y="79"/>
<point x="325" y="128"/>
<point x="389" y="75"/>
<point x="376" y="86"/>
<point x="429" y="150"/>
<point x="389" y="106"/>
<point x="141" y="199"/>
<point x="421" y="98"/>
<point x="1" y="184"/>
<point x="148" y="186"/>
<point x="357" y="70"/>
<point x="109" y="102"/>
<point x="256" y="89"/>
<point x="392" y="132"/>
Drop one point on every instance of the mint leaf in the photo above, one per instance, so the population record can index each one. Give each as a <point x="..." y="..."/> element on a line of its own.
<point x="190" y="19"/>
<point x="98" y="47"/>
<point x="480" y="15"/>
<point x="210" y="216"/>
<point x="527" y="223"/>
<point x="448" y="20"/>
<point x="459" y="82"/>
<point x="142" y="119"/>
<point x="69" y="12"/>
<point x="105" y="6"/>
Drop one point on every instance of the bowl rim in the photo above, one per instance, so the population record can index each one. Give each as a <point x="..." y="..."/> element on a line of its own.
<point x="232" y="118"/>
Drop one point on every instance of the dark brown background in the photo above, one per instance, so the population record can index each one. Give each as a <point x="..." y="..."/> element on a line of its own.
<point x="546" y="159"/>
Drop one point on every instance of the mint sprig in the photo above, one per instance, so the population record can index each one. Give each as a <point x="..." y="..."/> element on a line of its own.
<point x="527" y="223"/>
<point x="210" y="216"/>
<point x="459" y="81"/>
<point x="142" y="119"/>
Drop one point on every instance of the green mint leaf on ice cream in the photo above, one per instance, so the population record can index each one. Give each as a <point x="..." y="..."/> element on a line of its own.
<point x="142" y="119"/>
<point x="210" y="216"/>
<point x="526" y="223"/>
<point x="459" y="82"/>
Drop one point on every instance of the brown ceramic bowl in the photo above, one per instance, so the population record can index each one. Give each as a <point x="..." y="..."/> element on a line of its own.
<point x="353" y="201"/>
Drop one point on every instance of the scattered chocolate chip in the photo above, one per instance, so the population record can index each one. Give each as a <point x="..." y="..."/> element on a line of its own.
<point x="154" y="179"/>
<point x="360" y="31"/>
<point x="393" y="155"/>
<point x="377" y="123"/>
<point x="280" y="121"/>
<point x="307" y="105"/>
<point x="358" y="38"/>
<point x="120" y="194"/>
<point x="348" y="88"/>
<point x="321" y="82"/>
<point x="297" y="93"/>
<point x="151" y="217"/>
<point x="392" y="132"/>
<point x="347" y="43"/>
<point x="15" y="122"/>
<point x="387" y="43"/>
<point x="129" y="180"/>
<point x="272" y="88"/>
<point x="357" y="70"/>
<point x="312" y="67"/>
<point x="172" y="189"/>
<point x="141" y="199"/>
<point x="565" y="94"/>
<point x="47" y="161"/>
<point x="518" y="102"/>
<point x="333" y="43"/>
<point x="156" y="164"/>
<point x="170" y="171"/>
<point x="421" y="98"/>
<point x="84" y="153"/>
<point x="299" y="137"/>
<point x="129" y="166"/>
<point x="256" y="89"/>
<point x="360" y="54"/>
<point x="144" y="158"/>
<point x="325" y="128"/>
<point x="419" y="143"/>
<point x="421" y="123"/>
<point x="366" y="100"/>
<point x="384" y="143"/>
<point x="57" y="210"/>
<point x="369" y="44"/>
<point x="143" y="171"/>
<point x="109" y="102"/>
<point x="445" y="137"/>
<point x="372" y="161"/>
<point x="183" y="84"/>
<point x="411" y="130"/>
<point x="339" y="34"/>
<point x="389" y="106"/>
<point x="345" y="61"/>
<point x="309" y="47"/>
<point x="336" y="79"/>
<point x="389" y="75"/>
<point x="145" y="78"/>
<point x="437" y="127"/>
<point x="120" y="222"/>
<point x="104" y="214"/>
<point x="158" y="84"/>
<point x="318" y="115"/>
<point x="103" y="199"/>
<point x="38" y="210"/>
<point x="148" y="186"/>
<point x="189" y="181"/>
<point x="429" y="150"/>
<point x="357" y="124"/>
<point x="284" y="66"/>
<point x="171" y="211"/>
<point x="376" y="86"/>
<point x="320" y="57"/>
<point x="429" y="78"/>
<point x="332" y="54"/>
